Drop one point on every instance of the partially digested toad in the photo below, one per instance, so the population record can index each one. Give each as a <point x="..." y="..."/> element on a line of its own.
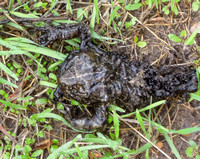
<point x="98" y="78"/>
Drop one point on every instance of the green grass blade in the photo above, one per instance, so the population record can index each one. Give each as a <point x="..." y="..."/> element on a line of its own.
<point x="116" y="124"/>
<point x="66" y="21"/>
<point x="156" y="3"/>
<point x="26" y="45"/>
<point x="52" y="66"/>
<point x="22" y="15"/>
<point x="92" y="21"/>
<point x="85" y="148"/>
<point x="149" y="3"/>
<point x="55" y="116"/>
<point x="94" y="140"/>
<point x="195" y="96"/>
<point x="134" y="152"/>
<point x="19" y="52"/>
<point x="186" y="130"/>
<point x="101" y="139"/>
<point x="21" y="40"/>
<point x="146" y="108"/>
<point x="20" y="6"/>
<point x="132" y="7"/>
<point x="141" y="149"/>
<point x="141" y="122"/>
<point x="172" y="146"/>
<point x="167" y="131"/>
<point x="6" y="44"/>
<point x="116" y="108"/>
<point x="68" y="7"/>
<point x="10" y="5"/>
<point x="113" y="14"/>
<point x="48" y="84"/>
<point x="45" y="51"/>
<point x="159" y="127"/>
<point x="72" y="43"/>
<point x="16" y="106"/>
<point x="191" y="38"/>
<point x="15" y="50"/>
<point x="15" y="26"/>
<point x="3" y="81"/>
<point x="79" y="151"/>
<point x="64" y="147"/>
<point x="8" y="71"/>
<point x="97" y="10"/>
<point x="53" y="4"/>
<point x="19" y="2"/>
<point x="102" y="38"/>
<point x="36" y="49"/>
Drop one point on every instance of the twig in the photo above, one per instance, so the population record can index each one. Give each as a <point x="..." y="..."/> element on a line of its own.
<point x="164" y="42"/>
<point x="33" y="19"/>
<point x="6" y="133"/>
<point x="146" y="139"/>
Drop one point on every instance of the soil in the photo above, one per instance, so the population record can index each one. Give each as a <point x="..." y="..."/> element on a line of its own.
<point x="176" y="114"/>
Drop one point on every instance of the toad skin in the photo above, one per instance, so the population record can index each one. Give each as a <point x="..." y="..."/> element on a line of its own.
<point x="97" y="78"/>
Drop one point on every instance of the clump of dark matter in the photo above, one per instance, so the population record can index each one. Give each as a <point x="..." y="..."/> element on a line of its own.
<point x="98" y="78"/>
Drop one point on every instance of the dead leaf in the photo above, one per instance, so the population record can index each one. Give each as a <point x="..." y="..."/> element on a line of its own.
<point x="44" y="144"/>
<point x="186" y="135"/>
<point x="194" y="27"/>
<point x="159" y="144"/>
<point x="94" y="155"/>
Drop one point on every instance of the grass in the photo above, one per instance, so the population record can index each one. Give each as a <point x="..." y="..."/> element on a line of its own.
<point x="41" y="63"/>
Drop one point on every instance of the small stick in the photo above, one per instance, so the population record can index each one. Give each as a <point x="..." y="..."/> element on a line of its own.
<point x="6" y="133"/>
<point x="34" y="19"/>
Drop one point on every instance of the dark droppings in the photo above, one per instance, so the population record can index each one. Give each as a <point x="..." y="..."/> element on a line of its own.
<point x="99" y="78"/>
